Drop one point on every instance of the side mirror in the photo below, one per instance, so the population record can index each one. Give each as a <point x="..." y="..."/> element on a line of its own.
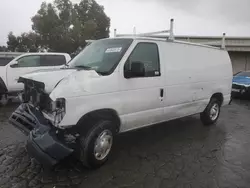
<point x="14" y="64"/>
<point x="137" y="70"/>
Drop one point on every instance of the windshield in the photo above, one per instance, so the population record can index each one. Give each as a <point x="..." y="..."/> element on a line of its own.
<point x="102" y="55"/>
<point x="243" y="74"/>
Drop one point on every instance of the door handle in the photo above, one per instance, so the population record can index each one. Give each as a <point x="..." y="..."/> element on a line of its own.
<point x="161" y="92"/>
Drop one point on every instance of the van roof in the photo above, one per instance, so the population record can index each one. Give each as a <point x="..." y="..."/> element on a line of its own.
<point x="164" y="40"/>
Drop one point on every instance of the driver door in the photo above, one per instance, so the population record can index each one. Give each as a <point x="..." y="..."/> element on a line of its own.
<point x="142" y="94"/>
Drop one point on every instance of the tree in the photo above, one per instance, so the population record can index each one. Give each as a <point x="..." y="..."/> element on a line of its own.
<point x="12" y="42"/>
<point x="3" y="49"/>
<point x="63" y="27"/>
<point x="30" y="42"/>
<point x="27" y="42"/>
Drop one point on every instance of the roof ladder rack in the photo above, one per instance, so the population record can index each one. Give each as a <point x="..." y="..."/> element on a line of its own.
<point x="223" y="41"/>
<point x="219" y="43"/>
<point x="151" y="34"/>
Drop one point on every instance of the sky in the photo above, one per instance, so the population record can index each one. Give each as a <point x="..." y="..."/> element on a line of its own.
<point x="192" y="17"/>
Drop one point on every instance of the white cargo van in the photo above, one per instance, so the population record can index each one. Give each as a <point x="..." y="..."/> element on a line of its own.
<point x="116" y="85"/>
<point x="12" y="69"/>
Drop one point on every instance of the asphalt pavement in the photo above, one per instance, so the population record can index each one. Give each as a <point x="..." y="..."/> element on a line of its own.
<point x="180" y="153"/>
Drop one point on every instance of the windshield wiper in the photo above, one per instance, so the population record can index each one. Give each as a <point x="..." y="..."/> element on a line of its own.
<point x="90" y="68"/>
<point x="83" y="67"/>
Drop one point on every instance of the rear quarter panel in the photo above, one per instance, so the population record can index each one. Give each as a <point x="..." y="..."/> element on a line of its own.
<point x="193" y="74"/>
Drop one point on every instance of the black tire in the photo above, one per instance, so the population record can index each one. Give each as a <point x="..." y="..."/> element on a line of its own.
<point x="205" y="117"/>
<point x="87" y="144"/>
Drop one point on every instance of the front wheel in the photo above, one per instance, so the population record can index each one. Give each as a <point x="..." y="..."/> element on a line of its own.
<point x="96" y="146"/>
<point x="211" y="113"/>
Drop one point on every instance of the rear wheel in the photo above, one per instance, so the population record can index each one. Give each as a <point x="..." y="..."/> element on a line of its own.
<point x="96" y="146"/>
<point x="211" y="113"/>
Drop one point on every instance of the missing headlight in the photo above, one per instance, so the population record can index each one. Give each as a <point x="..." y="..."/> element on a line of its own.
<point x="59" y="109"/>
<point x="60" y="103"/>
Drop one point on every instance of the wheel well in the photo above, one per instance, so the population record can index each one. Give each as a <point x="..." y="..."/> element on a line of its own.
<point x="86" y="122"/>
<point x="3" y="88"/>
<point x="219" y="97"/>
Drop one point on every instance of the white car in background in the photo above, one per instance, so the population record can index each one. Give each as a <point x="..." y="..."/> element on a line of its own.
<point x="10" y="71"/>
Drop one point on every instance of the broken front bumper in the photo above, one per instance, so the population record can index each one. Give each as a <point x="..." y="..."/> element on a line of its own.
<point x="43" y="143"/>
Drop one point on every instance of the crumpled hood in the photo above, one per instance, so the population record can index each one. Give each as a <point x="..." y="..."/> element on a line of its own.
<point x="241" y="80"/>
<point x="80" y="83"/>
<point x="50" y="77"/>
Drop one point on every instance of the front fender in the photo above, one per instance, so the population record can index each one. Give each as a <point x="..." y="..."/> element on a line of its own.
<point x="79" y="106"/>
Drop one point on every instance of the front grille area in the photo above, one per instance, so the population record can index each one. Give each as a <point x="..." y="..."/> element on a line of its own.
<point x="34" y="94"/>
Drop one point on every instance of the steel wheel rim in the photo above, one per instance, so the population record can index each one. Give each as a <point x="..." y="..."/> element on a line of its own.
<point x="103" y="144"/>
<point x="214" y="112"/>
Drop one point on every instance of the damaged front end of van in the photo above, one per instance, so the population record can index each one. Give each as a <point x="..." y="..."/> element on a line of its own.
<point x="50" y="98"/>
<point x="38" y="117"/>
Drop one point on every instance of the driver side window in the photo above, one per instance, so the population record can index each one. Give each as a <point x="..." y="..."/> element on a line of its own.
<point x="29" y="61"/>
<point x="147" y="55"/>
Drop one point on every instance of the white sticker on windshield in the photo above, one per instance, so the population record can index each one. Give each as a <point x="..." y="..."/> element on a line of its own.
<point x="113" y="50"/>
